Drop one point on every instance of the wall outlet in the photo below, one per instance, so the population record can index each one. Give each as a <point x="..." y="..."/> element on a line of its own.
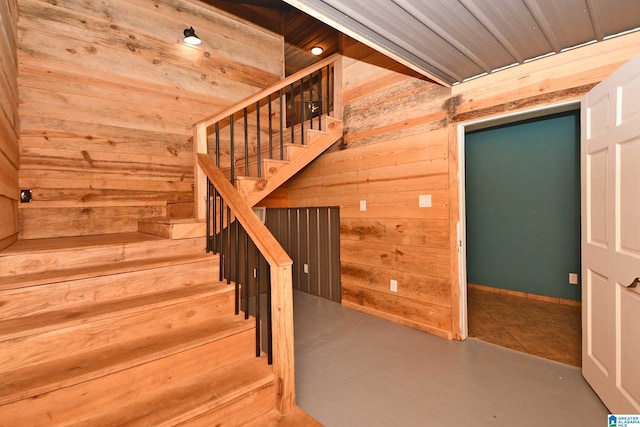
<point x="305" y="267"/>
<point x="424" y="201"/>
<point x="573" y="278"/>
<point x="363" y="205"/>
<point x="393" y="285"/>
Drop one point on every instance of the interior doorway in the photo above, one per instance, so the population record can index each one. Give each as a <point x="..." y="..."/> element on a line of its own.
<point x="520" y="231"/>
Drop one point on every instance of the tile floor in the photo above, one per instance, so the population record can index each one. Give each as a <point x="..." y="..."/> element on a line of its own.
<point x="545" y="329"/>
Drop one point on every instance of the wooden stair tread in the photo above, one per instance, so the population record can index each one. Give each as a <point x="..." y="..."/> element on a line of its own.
<point x="294" y="418"/>
<point x="42" y="322"/>
<point x="163" y="392"/>
<point x="44" y="377"/>
<point x="192" y="398"/>
<point x="173" y="228"/>
<point x="64" y="243"/>
<point x="63" y="275"/>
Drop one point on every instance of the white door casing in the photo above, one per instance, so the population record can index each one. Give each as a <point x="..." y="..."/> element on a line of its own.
<point x="610" y="178"/>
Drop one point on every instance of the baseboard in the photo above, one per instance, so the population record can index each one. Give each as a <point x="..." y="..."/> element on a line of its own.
<point x="526" y="295"/>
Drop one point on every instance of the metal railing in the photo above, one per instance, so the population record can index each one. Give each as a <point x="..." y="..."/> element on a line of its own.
<point x="250" y="257"/>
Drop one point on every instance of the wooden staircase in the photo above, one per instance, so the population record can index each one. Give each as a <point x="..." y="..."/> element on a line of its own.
<point x="128" y="329"/>
<point x="295" y="157"/>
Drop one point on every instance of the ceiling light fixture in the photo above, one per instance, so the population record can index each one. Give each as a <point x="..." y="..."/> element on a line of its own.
<point x="317" y="50"/>
<point x="190" y="37"/>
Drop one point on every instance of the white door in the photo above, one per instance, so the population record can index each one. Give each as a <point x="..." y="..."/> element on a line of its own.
<point x="610" y="161"/>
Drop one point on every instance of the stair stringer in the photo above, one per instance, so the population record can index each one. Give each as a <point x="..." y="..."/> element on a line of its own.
<point x="253" y="190"/>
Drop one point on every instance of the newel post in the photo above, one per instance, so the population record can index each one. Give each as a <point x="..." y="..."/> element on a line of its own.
<point x="282" y="318"/>
<point x="199" y="177"/>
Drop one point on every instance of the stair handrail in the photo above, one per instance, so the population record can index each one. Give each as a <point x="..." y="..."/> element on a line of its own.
<point x="281" y="278"/>
<point x="208" y="121"/>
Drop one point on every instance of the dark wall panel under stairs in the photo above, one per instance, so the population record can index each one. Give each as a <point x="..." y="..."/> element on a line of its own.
<point x="311" y="237"/>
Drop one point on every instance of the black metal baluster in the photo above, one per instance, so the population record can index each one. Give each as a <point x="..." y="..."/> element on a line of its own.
<point x="208" y="219"/>
<point x="245" y="285"/>
<point x="270" y="107"/>
<point x="302" y="111"/>
<point x="292" y="124"/>
<point x="221" y="242"/>
<point x="259" y="154"/>
<point x="256" y="255"/>
<point x="246" y="143"/>
<point x="228" y="255"/>
<point x="329" y="95"/>
<point x="269" y="321"/>
<point x="217" y="144"/>
<point x="282" y="124"/>
<point x="320" y="100"/>
<point x="214" y="211"/>
<point x="232" y="150"/>
<point x="311" y="101"/>
<point x="237" y="264"/>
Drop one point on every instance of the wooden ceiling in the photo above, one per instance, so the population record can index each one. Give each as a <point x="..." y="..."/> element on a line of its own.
<point x="301" y="31"/>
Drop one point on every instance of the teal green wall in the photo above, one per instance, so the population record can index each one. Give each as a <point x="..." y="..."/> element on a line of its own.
<point x="523" y="205"/>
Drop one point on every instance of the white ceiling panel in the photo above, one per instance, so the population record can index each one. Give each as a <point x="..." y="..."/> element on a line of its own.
<point x="455" y="40"/>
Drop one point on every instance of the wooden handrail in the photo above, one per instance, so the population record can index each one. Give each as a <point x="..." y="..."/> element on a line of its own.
<point x="271" y="89"/>
<point x="259" y="233"/>
<point x="281" y="283"/>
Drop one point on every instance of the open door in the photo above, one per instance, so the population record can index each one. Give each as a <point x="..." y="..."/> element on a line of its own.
<point x="610" y="161"/>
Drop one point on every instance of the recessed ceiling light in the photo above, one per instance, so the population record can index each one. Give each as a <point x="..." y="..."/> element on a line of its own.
<point x="317" y="50"/>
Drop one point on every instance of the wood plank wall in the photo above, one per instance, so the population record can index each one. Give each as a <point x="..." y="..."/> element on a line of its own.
<point x="9" y="124"/>
<point x="108" y="97"/>
<point x="394" y="149"/>
<point x="400" y="142"/>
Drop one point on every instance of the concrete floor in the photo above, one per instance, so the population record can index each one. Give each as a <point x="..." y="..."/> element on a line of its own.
<point x="353" y="369"/>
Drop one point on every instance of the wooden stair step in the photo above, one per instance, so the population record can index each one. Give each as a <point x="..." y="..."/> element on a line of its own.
<point x="56" y="319"/>
<point x="39" y="348"/>
<point x="164" y="392"/>
<point x="70" y="252"/>
<point x="173" y="228"/>
<point x="65" y="371"/>
<point x="294" y="418"/>
<point x="99" y="270"/>
<point x="94" y="285"/>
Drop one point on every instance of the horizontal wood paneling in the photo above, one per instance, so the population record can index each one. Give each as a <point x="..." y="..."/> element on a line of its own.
<point x="401" y="141"/>
<point x="395" y="149"/>
<point x="109" y="95"/>
<point x="562" y="77"/>
<point x="9" y="124"/>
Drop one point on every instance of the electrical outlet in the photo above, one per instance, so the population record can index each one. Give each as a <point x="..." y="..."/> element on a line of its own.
<point x="363" y="205"/>
<point x="305" y="268"/>
<point x="573" y="278"/>
<point x="393" y="285"/>
<point x="424" y="201"/>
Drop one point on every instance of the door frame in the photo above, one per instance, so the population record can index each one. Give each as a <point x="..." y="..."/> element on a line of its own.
<point x="461" y="226"/>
